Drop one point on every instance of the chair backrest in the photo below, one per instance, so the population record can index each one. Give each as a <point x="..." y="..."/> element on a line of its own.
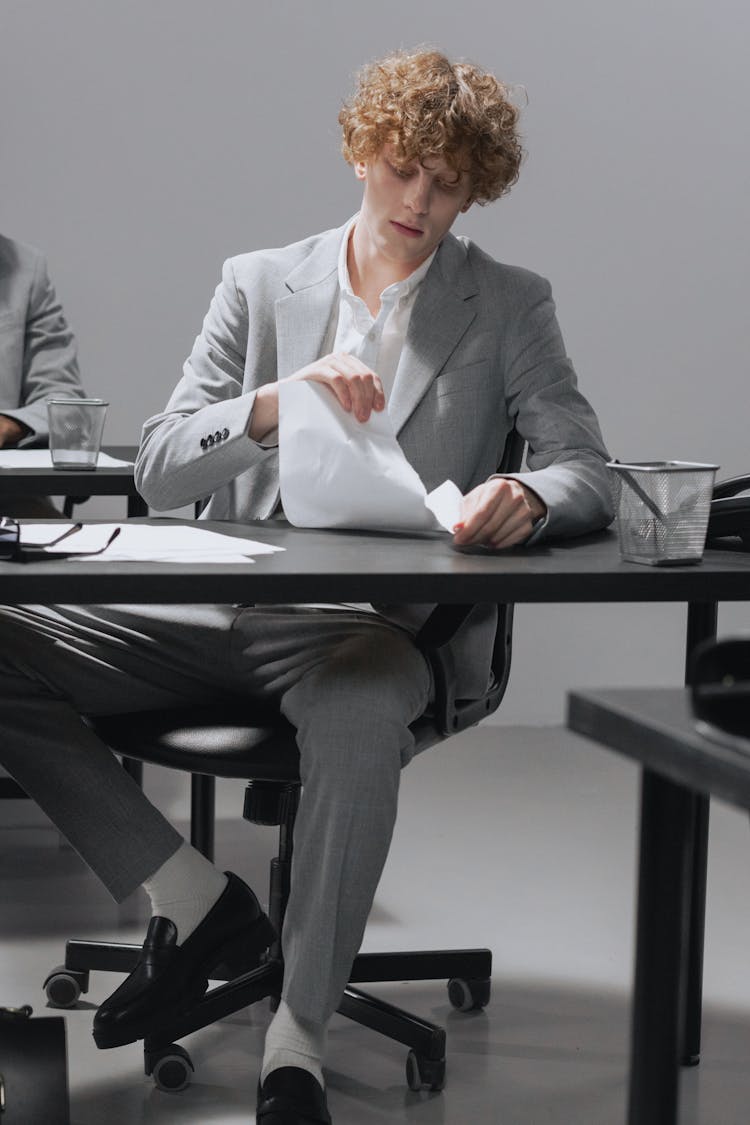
<point x="452" y="714"/>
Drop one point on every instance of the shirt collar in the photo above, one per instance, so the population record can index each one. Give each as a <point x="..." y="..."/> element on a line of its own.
<point x="398" y="291"/>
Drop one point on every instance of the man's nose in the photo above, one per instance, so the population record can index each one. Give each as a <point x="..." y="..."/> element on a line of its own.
<point x="419" y="196"/>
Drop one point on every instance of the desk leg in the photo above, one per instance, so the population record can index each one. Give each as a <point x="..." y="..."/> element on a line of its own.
<point x="137" y="506"/>
<point x="701" y="626"/>
<point x="667" y="813"/>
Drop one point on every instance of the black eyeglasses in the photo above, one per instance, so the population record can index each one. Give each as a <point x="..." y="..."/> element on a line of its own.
<point x="13" y="550"/>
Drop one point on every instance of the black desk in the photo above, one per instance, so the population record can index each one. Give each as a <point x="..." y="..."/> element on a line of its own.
<point x="111" y="481"/>
<point x="655" y="727"/>
<point x="364" y="566"/>
<point x="360" y="567"/>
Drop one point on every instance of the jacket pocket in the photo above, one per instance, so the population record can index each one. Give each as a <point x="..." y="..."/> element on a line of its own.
<point x="461" y="380"/>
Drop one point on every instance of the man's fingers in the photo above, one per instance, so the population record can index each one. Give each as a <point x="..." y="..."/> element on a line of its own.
<point x="512" y="532"/>
<point x="378" y="402"/>
<point x="357" y="389"/>
<point x="340" y="387"/>
<point x="361" y="387"/>
<point x="495" y="514"/>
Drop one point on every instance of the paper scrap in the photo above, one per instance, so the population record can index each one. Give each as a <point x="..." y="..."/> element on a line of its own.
<point x="146" y="543"/>
<point x="42" y="459"/>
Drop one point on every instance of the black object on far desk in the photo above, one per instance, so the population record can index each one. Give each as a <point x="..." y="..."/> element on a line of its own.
<point x="656" y="727"/>
<point x="77" y="486"/>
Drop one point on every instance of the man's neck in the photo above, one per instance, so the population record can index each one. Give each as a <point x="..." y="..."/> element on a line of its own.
<point x="369" y="272"/>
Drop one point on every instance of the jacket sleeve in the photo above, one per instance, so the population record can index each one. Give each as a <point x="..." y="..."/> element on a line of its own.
<point x="566" y="455"/>
<point x="200" y="442"/>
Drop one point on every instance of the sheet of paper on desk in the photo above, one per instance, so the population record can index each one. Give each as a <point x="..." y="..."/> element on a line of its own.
<point x="149" y="543"/>
<point x="42" y="459"/>
<point x="338" y="472"/>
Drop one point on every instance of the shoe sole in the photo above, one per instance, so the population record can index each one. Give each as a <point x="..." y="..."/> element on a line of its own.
<point x="239" y="956"/>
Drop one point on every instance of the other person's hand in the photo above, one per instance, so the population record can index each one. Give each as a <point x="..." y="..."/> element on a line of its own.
<point x="499" y="513"/>
<point x="11" y="431"/>
<point x="357" y="388"/>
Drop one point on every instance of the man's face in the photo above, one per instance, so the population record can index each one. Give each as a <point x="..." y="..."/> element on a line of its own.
<point x="407" y="209"/>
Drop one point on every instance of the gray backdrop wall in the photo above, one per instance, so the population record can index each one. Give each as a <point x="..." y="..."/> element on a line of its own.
<point x="143" y="141"/>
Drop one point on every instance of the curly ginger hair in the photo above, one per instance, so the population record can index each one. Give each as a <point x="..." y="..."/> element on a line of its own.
<point x="424" y="105"/>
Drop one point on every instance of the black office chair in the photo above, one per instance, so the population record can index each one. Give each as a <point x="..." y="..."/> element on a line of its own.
<point x="720" y="690"/>
<point x="221" y="741"/>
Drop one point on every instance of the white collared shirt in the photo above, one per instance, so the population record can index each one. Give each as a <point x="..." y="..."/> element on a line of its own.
<point x="376" y="341"/>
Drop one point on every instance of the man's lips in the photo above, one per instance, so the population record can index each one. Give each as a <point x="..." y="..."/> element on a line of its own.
<point x="412" y="232"/>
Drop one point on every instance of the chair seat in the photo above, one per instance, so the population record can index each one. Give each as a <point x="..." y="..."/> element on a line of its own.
<point x="219" y="740"/>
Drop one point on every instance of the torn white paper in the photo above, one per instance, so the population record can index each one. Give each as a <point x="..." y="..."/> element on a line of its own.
<point x="338" y="472"/>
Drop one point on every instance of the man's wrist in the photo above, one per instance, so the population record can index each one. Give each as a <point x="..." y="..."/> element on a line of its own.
<point x="537" y="507"/>
<point x="264" y="417"/>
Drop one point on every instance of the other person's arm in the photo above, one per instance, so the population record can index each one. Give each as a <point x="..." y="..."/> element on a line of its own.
<point x="50" y="364"/>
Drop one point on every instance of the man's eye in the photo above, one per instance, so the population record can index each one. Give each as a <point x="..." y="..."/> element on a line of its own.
<point x="444" y="186"/>
<point x="402" y="173"/>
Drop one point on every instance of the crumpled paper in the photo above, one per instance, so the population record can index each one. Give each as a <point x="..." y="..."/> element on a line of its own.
<point x="338" y="472"/>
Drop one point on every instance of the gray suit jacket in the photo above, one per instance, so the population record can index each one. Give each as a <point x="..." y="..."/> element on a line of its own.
<point x="37" y="349"/>
<point x="483" y="353"/>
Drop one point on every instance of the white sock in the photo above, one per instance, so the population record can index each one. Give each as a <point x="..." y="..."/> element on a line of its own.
<point x="184" y="889"/>
<point x="291" y="1041"/>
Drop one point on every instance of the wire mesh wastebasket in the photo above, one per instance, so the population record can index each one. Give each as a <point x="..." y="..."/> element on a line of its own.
<point x="662" y="510"/>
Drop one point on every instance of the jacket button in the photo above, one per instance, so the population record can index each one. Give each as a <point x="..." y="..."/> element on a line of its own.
<point x="225" y="433"/>
<point x="218" y="435"/>
<point x="210" y="439"/>
<point x="204" y="443"/>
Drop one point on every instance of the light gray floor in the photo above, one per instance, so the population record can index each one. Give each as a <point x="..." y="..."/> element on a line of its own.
<point x="519" y="838"/>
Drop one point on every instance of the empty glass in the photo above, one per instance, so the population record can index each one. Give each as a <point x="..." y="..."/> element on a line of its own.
<point x="75" y="431"/>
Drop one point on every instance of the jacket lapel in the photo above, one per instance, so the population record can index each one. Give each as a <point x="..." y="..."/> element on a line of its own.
<point x="302" y="317"/>
<point x="442" y="313"/>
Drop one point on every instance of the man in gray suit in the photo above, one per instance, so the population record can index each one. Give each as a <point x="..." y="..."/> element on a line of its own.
<point x="389" y="312"/>
<point x="37" y="358"/>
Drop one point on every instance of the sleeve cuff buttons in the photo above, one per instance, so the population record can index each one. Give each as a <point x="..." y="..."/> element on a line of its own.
<point x="214" y="439"/>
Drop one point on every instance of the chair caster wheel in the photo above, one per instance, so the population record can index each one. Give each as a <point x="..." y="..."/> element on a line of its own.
<point x="424" y="1074"/>
<point x="170" y="1067"/>
<point x="468" y="995"/>
<point x="63" y="986"/>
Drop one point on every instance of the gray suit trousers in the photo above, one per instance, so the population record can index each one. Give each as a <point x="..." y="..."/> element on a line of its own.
<point x="349" y="682"/>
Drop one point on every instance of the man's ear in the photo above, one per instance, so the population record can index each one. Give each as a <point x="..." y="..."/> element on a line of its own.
<point x="360" y="169"/>
<point x="467" y="205"/>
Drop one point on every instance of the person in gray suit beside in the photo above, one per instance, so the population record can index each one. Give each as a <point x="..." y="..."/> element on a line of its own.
<point x="390" y="312"/>
<point x="38" y="358"/>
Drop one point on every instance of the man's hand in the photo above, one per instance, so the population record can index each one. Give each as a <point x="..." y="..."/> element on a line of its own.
<point x="11" y="431"/>
<point x="499" y="513"/>
<point x="357" y="388"/>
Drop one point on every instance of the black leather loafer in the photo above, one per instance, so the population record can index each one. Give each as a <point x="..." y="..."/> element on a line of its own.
<point x="168" y="978"/>
<point x="291" y="1096"/>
